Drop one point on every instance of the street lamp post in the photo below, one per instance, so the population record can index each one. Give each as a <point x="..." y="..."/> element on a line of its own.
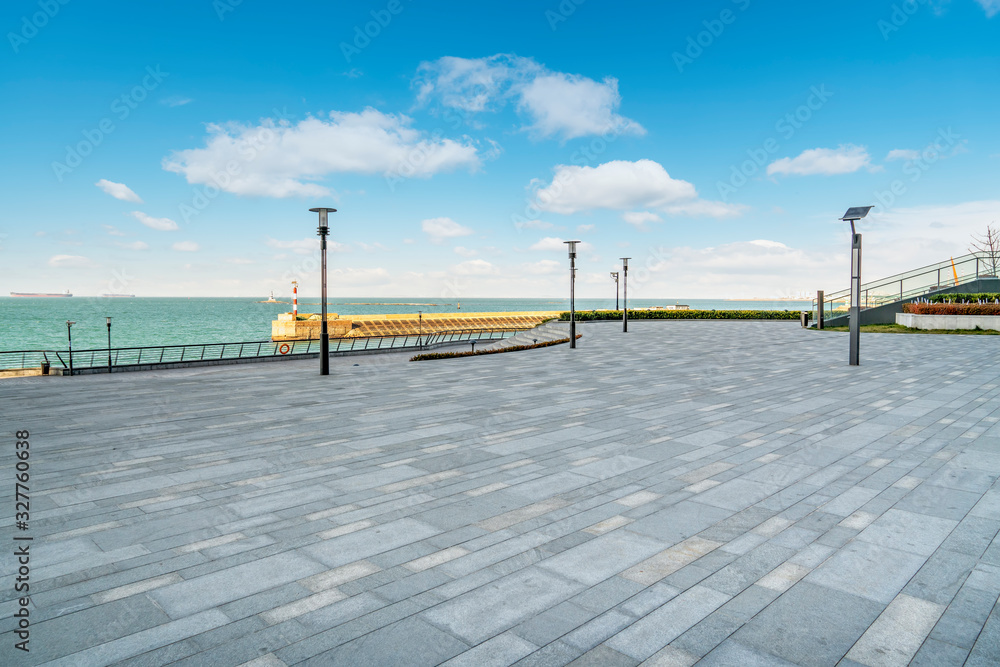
<point x="572" y="289"/>
<point x="69" y="334"/>
<point x="420" y="329"/>
<point x="109" y="343"/>
<point x="324" y="332"/>
<point x="855" y="213"/>
<point x="614" y="275"/>
<point x="625" y="294"/>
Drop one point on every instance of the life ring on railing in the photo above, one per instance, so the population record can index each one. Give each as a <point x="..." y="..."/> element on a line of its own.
<point x="284" y="348"/>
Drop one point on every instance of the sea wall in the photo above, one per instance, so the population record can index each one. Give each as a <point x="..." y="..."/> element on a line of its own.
<point x="285" y="328"/>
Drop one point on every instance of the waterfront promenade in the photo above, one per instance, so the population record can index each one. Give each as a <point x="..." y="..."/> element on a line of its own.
<point x="723" y="492"/>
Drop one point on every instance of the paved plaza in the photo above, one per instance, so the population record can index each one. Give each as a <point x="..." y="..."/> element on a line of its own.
<point x="719" y="493"/>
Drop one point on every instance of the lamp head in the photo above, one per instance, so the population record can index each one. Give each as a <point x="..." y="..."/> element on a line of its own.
<point x="323" y="220"/>
<point x="856" y="213"/>
<point x="625" y="261"/>
<point x="572" y="248"/>
<point x="109" y="320"/>
<point x="69" y="324"/>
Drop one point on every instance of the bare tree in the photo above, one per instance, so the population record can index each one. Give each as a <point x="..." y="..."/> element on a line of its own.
<point x="987" y="246"/>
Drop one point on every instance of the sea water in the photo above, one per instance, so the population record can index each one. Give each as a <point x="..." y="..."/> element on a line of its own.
<point x="40" y="323"/>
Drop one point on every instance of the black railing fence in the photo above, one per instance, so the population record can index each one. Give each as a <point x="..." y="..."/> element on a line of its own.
<point x="167" y="354"/>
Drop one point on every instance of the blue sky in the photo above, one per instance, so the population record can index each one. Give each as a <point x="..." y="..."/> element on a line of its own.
<point x="176" y="149"/>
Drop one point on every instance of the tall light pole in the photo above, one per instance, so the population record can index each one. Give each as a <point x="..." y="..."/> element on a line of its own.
<point x="69" y="334"/>
<point x="572" y="289"/>
<point x="625" y="294"/>
<point x="855" y="213"/>
<point x="109" y="343"/>
<point x="420" y="329"/>
<point x="324" y="332"/>
<point x="614" y="275"/>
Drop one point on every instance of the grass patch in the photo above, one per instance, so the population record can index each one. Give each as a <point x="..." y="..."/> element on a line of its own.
<point x="899" y="328"/>
<point x="515" y="348"/>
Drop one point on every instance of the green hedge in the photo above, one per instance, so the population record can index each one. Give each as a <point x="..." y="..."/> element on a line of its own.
<point x="952" y="308"/>
<point x="964" y="298"/>
<point x="585" y="315"/>
<point x="515" y="348"/>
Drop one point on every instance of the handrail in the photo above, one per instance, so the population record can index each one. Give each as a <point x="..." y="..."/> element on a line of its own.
<point x="918" y="282"/>
<point x="162" y="354"/>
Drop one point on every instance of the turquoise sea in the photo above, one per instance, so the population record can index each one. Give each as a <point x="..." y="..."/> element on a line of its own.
<point x="40" y="323"/>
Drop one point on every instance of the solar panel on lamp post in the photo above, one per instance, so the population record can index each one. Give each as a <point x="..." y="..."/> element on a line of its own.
<point x="625" y="294"/>
<point x="572" y="287"/>
<point x="854" y="314"/>
<point x="324" y="332"/>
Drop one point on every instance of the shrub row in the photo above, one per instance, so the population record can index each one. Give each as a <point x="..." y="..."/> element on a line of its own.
<point x="952" y="308"/>
<point x="515" y="348"/>
<point x="584" y="315"/>
<point x="964" y="298"/>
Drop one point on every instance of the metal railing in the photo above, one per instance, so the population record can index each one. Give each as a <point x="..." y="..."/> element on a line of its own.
<point x="168" y="354"/>
<point x="918" y="282"/>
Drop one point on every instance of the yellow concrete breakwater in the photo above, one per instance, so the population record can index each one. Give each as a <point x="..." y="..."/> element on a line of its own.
<point x="307" y="327"/>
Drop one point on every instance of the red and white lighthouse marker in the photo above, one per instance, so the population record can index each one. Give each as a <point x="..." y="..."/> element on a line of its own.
<point x="295" y="298"/>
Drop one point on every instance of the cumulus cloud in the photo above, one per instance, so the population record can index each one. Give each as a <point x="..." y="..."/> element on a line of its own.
<point x="992" y="7"/>
<point x="112" y="230"/>
<point x="475" y="267"/>
<point x="70" y="261"/>
<point x="465" y="252"/>
<point x="555" y="103"/>
<point x="545" y="267"/>
<point x="281" y="159"/>
<point x="238" y="260"/>
<point x="844" y="159"/>
<point x="186" y="246"/>
<point x="159" y="224"/>
<point x="118" y="190"/>
<point x="134" y="245"/>
<point x="533" y="224"/>
<point x="622" y="185"/>
<point x="443" y="228"/>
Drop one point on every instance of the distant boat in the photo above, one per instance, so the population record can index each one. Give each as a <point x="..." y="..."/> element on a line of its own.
<point x="130" y="296"/>
<point x="39" y="294"/>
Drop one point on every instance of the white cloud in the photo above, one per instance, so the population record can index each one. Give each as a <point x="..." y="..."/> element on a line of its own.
<point x="238" y="260"/>
<point x="640" y="218"/>
<point x="159" y="224"/>
<point x="118" y="190"/>
<point x="112" y="230"/>
<point x="465" y="252"/>
<point x="443" y="228"/>
<point x="550" y="243"/>
<point x="622" y="185"/>
<point x="902" y="154"/>
<point x="545" y="267"/>
<point x="70" y="261"/>
<point x="360" y="277"/>
<point x="584" y="228"/>
<point x="475" y="267"/>
<point x="186" y="246"/>
<point x="278" y="159"/>
<point x="992" y="7"/>
<point x="135" y="245"/>
<point x="556" y="103"/>
<point x="176" y="101"/>
<point x="844" y="159"/>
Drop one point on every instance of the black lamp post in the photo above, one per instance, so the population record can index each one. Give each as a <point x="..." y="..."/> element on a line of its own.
<point x="625" y="294"/>
<point x="324" y="332"/>
<point x="614" y="275"/>
<point x="109" y="343"/>
<point x="69" y="334"/>
<point x="420" y="329"/>
<point x="572" y="289"/>
<point x="854" y="316"/>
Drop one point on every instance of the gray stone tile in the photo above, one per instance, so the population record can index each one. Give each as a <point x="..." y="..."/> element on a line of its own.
<point x="409" y="642"/>
<point x="603" y="557"/>
<point x="369" y="542"/>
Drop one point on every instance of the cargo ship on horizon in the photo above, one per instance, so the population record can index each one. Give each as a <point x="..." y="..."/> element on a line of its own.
<point x="40" y="294"/>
